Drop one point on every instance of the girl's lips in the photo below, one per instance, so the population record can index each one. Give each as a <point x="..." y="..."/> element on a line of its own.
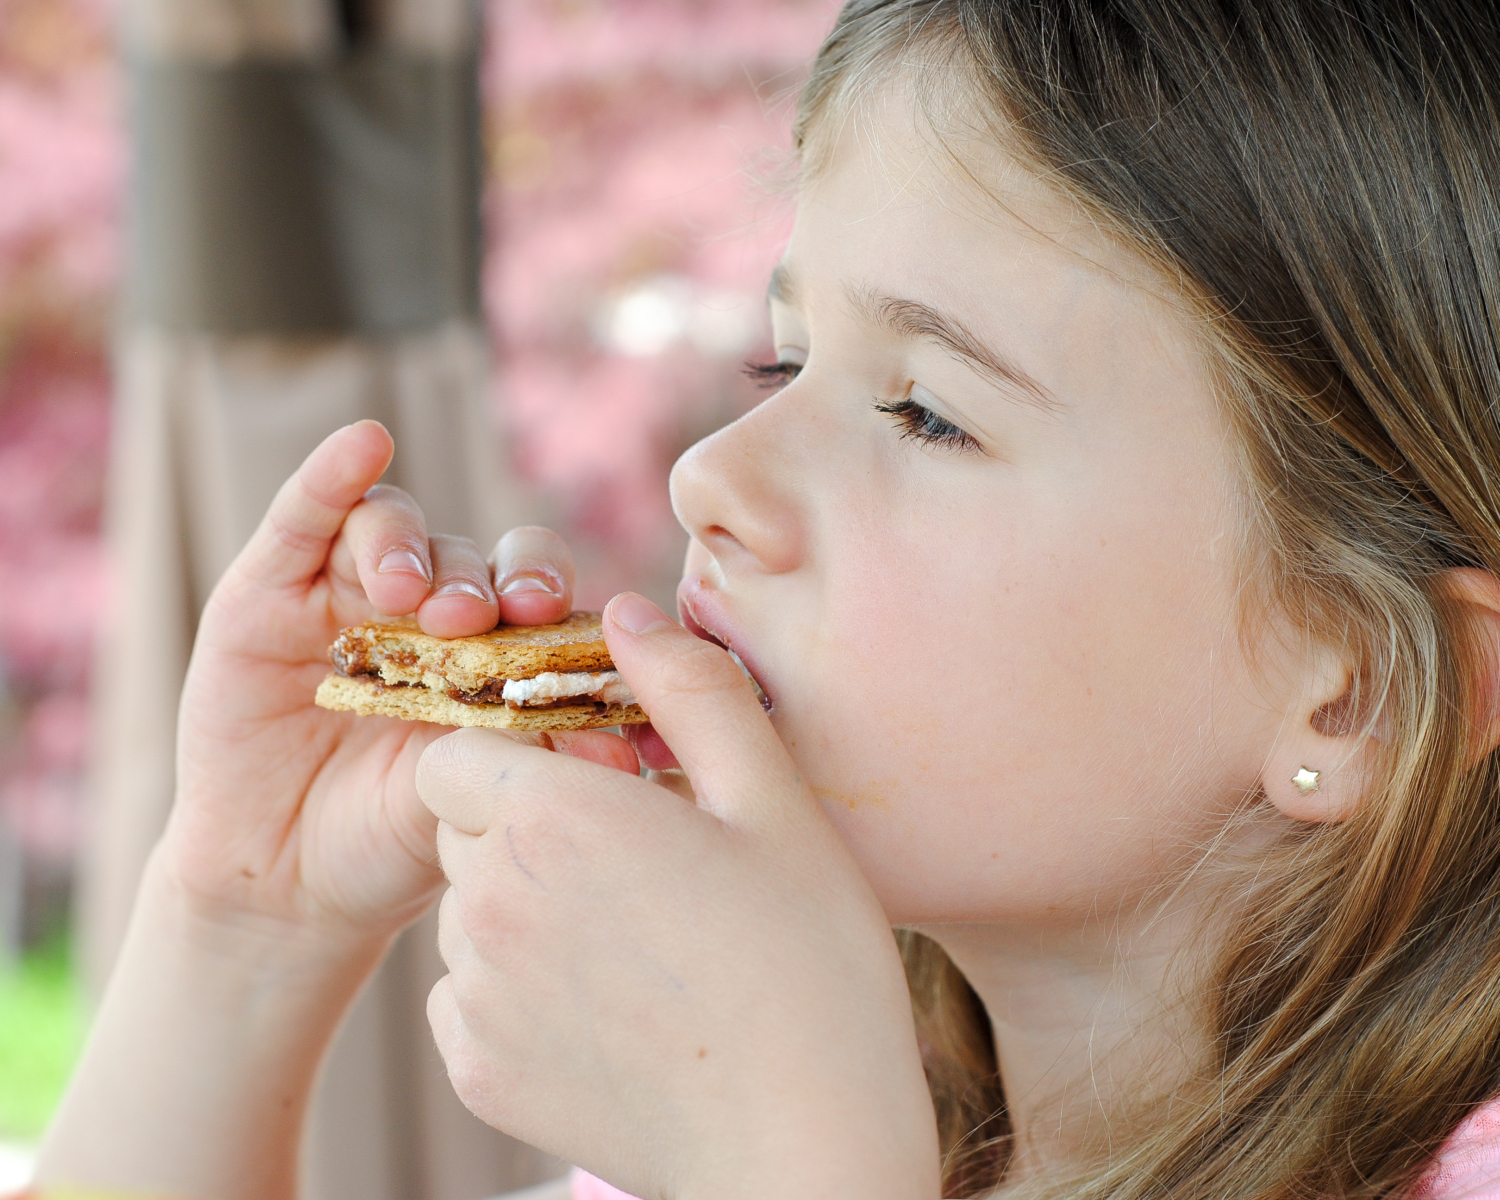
<point x="690" y="620"/>
<point x="702" y="615"/>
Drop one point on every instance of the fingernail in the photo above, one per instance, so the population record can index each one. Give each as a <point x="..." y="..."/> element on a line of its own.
<point x="637" y="614"/>
<point x="464" y="587"/>
<point x="522" y="584"/>
<point x="404" y="562"/>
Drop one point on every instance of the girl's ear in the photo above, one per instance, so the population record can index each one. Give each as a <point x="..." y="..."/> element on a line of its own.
<point x="1476" y="593"/>
<point x="1319" y="768"/>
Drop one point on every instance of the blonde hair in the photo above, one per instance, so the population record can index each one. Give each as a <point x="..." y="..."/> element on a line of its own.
<point x="1319" y="179"/>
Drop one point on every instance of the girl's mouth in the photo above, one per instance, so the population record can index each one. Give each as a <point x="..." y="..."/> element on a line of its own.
<point x="693" y="600"/>
<point x="690" y="619"/>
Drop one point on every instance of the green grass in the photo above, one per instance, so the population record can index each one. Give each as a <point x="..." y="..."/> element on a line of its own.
<point x="41" y="1031"/>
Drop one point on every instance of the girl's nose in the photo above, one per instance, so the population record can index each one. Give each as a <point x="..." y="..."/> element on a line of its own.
<point x="740" y="492"/>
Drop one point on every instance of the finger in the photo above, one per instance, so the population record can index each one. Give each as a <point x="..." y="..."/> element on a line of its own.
<point x="457" y="776"/>
<point x="458" y="772"/>
<point x="653" y="752"/>
<point x="476" y="779"/>
<point x="456" y="850"/>
<point x="533" y="576"/>
<point x="674" y="780"/>
<point x="445" y="1019"/>
<point x="462" y="600"/>
<point x="454" y="946"/>
<point x="705" y="710"/>
<point x="456" y="1044"/>
<point x="382" y="552"/>
<point x="291" y="544"/>
<point x="594" y="745"/>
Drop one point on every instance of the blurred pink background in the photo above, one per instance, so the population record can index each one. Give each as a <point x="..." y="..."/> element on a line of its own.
<point x="634" y="147"/>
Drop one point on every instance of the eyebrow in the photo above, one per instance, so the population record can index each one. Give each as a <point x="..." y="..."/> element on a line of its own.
<point x="915" y="321"/>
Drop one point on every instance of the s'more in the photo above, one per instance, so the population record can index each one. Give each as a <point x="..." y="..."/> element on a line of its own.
<point x="540" y="677"/>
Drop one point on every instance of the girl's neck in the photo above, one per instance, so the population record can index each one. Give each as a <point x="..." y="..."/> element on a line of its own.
<point x="1085" y="1024"/>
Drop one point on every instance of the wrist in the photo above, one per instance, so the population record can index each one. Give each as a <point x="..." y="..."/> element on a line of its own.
<point x="886" y="1151"/>
<point x="209" y="1036"/>
<point x="248" y="945"/>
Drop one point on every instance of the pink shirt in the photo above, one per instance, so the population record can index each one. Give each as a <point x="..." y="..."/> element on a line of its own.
<point x="586" y="1187"/>
<point x="1467" y="1167"/>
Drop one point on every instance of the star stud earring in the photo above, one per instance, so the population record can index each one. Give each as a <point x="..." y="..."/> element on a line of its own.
<point x="1306" y="781"/>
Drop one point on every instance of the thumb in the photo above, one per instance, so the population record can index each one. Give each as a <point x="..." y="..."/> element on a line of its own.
<point x="707" y="712"/>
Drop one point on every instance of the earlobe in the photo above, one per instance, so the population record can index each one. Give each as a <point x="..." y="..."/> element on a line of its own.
<point x="1315" y="772"/>
<point x="1318" y="796"/>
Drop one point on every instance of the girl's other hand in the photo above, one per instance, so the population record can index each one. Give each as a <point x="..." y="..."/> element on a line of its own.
<point x="297" y="847"/>
<point x="689" y="999"/>
<point x="290" y="813"/>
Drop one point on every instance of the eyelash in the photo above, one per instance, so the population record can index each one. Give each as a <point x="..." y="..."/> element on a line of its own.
<point x="916" y="421"/>
<point x="772" y="375"/>
<point x="923" y="425"/>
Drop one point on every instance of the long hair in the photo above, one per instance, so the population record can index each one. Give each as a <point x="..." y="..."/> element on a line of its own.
<point x="1320" y="181"/>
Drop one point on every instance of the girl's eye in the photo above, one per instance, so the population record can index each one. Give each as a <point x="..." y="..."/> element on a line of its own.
<point x="924" y="425"/>
<point x="772" y="375"/>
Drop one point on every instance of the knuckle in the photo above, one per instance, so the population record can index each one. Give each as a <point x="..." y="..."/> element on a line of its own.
<point x="446" y="839"/>
<point x="483" y="917"/>
<point x="388" y="493"/>
<point x="299" y="541"/>
<point x="473" y="993"/>
<point x="534" y="542"/>
<point x="470" y="1079"/>
<point x="456" y="756"/>
<point x="435" y="772"/>
<point x="447" y="913"/>
<point x="528" y="844"/>
<point x="323" y="499"/>
<point x="452" y="544"/>
<point x="441" y="1012"/>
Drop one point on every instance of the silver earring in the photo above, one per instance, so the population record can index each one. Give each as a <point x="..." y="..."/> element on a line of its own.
<point x="1306" y="781"/>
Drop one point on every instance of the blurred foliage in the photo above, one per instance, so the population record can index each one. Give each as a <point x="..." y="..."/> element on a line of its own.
<point x="41" y="1031"/>
<point x="62" y="163"/>
<point x="630" y="236"/>
<point x="634" y="214"/>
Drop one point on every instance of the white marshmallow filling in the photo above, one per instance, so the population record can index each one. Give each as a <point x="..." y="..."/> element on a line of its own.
<point x="605" y="687"/>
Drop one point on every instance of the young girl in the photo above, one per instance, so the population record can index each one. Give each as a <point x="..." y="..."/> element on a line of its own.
<point x="1117" y="561"/>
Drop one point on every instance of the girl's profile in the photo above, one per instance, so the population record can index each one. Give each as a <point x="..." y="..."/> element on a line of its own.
<point x="1115" y="554"/>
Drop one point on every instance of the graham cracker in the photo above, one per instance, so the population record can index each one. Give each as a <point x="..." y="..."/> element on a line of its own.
<point x="369" y="697"/>
<point x="399" y="652"/>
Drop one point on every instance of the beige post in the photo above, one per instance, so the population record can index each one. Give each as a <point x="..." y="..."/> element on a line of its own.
<point x="208" y="423"/>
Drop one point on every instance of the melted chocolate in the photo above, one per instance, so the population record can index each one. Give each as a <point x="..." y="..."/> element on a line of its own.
<point x="350" y="656"/>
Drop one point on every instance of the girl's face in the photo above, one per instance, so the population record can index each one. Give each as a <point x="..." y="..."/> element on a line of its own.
<point x="980" y="551"/>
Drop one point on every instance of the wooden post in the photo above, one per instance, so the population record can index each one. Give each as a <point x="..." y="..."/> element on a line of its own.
<point x="304" y="253"/>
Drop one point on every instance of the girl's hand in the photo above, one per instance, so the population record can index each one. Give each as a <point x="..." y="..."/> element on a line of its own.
<point x="286" y="812"/>
<point x="297" y="847"/>
<point x="688" y="999"/>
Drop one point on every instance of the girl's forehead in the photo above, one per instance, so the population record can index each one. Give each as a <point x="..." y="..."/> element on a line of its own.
<point x="905" y="238"/>
<point x="867" y="244"/>
<point x="893" y="185"/>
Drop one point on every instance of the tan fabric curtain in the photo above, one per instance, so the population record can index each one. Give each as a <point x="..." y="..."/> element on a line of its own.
<point x="253" y="331"/>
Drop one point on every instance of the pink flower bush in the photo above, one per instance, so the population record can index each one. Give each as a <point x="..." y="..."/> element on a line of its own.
<point x="631" y="230"/>
<point x="61" y="176"/>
